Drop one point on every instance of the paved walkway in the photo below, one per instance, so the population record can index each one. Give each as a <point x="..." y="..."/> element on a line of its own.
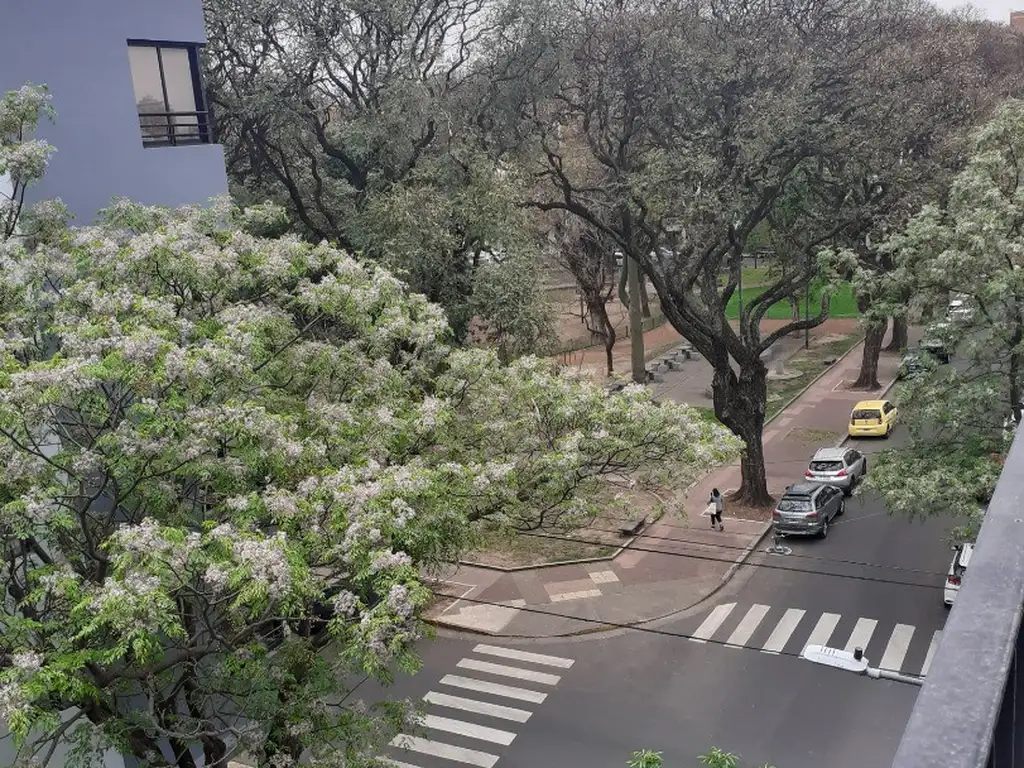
<point x="678" y="561"/>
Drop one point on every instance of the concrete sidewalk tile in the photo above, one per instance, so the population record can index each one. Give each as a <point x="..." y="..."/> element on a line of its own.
<point x="502" y="590"/>
<point x="530" y="586"/>
<point x="603" y="576"/>
<point x="567" y="587"/>
<point x="629" y="559"/>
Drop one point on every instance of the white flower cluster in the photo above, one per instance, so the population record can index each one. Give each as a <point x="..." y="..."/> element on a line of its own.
<point x="12" y="701"/>
<point x="267" y="562"/>
<point x="147" y="540"/>
<point x="385" y="561"/>
<point x="27" y="661"/>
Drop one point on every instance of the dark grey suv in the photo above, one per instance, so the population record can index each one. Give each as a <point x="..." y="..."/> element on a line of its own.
<point x="808" y="510"/>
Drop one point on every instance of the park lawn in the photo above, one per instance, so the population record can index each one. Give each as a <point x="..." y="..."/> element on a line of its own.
<point x="843" y="303"/>
<point x="751" y="276"/>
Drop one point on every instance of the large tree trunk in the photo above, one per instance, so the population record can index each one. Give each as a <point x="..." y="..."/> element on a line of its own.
<point x="740" y="404"/>
<point x="645" y="301"/>
<point x="868" y="378"/>
<point x="900" y="337"/>
<point x="599" y="312"/>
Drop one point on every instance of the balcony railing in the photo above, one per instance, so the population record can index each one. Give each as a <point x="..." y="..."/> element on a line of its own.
<point x="966" y="713"/>
<point x="169" y="129"/>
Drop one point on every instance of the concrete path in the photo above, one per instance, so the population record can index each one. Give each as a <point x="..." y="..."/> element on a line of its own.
<point x="678" y="561"/>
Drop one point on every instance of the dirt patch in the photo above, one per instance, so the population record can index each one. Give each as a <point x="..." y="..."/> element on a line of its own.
<point x="813" y="436"/>
<point x="808" y="363"/>
<point x="846" y="385"/>
<point x="745" y="512"/>
<point x="600" y="538"/>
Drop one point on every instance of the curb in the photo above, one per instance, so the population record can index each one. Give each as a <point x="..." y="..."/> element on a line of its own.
<point x="812" y="382"/>
<point x="583" y="560"/>
<point x="738" y="563"/>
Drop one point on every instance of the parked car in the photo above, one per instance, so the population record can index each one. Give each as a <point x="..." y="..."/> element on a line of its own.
<point x="911" y="366"/>
<point x="936" y="343"/>
<point x="960" y="311"/>
<point x="957" y="570"/>
<point x="872" y="418"/>
<point x="841" y="467"/>
<point x="806" y="509"/>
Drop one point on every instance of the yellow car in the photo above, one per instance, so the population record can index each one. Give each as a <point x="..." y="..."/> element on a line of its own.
<point x="872" y="418"/>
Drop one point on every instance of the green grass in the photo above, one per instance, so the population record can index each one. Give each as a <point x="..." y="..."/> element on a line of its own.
<point x="843" y="303"/>
<point x="751" y="276"/>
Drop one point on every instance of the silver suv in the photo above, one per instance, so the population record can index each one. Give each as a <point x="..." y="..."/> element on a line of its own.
<point x="807" y="510"/>
<point x="841" y="467"/>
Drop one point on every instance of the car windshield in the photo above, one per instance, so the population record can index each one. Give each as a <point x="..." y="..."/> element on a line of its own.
<point x="866" y="414"/>
<point x="826" y="466"/>
<point x="795" y="505"/>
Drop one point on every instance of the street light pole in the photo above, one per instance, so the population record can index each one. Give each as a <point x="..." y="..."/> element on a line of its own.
<point x="853" y="662"/>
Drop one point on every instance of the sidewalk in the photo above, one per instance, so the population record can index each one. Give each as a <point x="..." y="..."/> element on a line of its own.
<point x="651" y="577"/>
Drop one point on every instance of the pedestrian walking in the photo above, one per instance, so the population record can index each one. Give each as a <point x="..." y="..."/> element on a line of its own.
<point x="715" y="505"/>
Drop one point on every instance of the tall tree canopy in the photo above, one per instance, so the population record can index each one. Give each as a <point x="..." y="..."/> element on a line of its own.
<point x="360" y="118"/>
<point x="679" y="128"/>
<point x="962" y="420"/>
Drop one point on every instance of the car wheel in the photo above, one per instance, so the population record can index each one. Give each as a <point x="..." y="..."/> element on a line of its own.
<point x="848" y="490"/>
<point x="824" y="529"/>
<point x="842" y="509"/>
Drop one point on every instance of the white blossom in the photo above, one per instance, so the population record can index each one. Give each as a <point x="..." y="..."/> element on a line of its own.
<point x="27" y="661"/>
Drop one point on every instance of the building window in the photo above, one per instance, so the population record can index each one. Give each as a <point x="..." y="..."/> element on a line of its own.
<point x="169" y="93"/>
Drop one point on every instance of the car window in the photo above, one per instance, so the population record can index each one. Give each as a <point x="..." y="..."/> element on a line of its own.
<point x="795" y="505"/>
<point x="849" y="457"/>
<point x="826" y="495"/>
<point x="865" y="414"/>
<point x="888" y="407"/>
<point x="826" y="466"/>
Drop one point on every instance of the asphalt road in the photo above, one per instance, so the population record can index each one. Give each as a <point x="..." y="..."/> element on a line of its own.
<point x="875" y="582"/>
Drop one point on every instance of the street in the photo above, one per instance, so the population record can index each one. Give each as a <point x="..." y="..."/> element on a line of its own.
<point x="726" y="674"/>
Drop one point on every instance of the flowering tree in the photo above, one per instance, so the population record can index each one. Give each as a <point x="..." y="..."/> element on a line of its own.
<point x="961" y="421"/>
<point x="23" y="157"/>
<point x="223" y="451"/>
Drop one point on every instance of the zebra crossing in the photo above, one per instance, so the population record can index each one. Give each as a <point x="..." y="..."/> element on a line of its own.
<point x="476" y="708"/>
<point x="896" y="648"/>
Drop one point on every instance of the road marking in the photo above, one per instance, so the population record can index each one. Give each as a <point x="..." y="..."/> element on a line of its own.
<point x="896" y="650"/>
<point x="932" y="647"/>
<point x="482" y="686"/>
<point x="515" y="653"/>
<point x="471" y="730"/>
<point x="447" y="751"/>
<point x="711" y="624"/>
<point x="783" y="631"/>
<point x="480" y="707"/>
<point x="580" y="595"/>
<point x="505" y="671"/>
<point x="747" y="625"/>
<point x="861" y="634"/>
<point x="823" y="629"/>
<point x="396" y="763"/>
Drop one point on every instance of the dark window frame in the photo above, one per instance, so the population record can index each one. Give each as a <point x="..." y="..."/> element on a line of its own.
<point x="204" y="118"/>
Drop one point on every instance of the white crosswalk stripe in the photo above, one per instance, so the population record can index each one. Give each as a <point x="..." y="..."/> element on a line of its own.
<point x="467" y="732"/>
<point x="479" y="707"/>
<point x="472" y="730"/>
<point x="505" y="671"/>
<point x="783" y="630"/>
<point x="517" y="655"/>
<point x="747" y="626"/>
<point x="896" y="649"/>
<point x="823" y="629"/>
<point x="483" y="686"/>
<point x="932" y="647"/>
<point x="899" y="651"/>
<point x="861" y="635"/>
<point x="447" y="751"/>
<point x="711" y="624"/>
